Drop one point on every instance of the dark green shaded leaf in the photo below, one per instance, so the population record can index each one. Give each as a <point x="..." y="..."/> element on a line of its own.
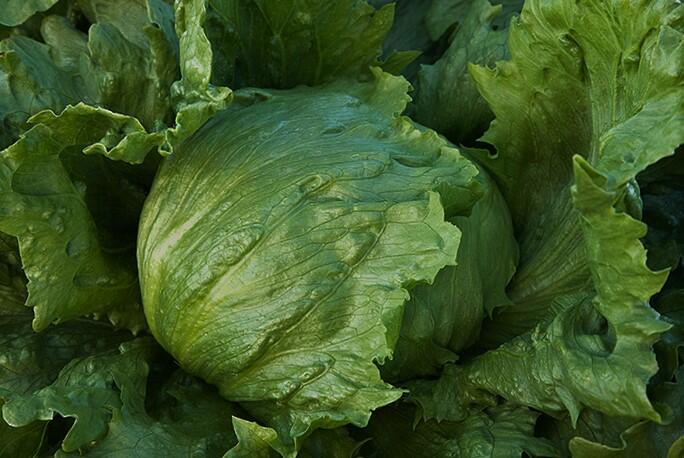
<point x="503" y="431"/>
<point x="188" y="418"/>
<point x="448" y="100"/>
<point x="25" y="442"/>
<point x="286" y="43"/>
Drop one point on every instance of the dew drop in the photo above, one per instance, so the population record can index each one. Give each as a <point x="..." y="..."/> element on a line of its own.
<point x="234" y="247"/>
<point x="314" y="183"/>
<point x="77" y="246"/>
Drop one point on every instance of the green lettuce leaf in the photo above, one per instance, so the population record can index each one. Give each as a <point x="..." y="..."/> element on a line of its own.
<point x="133" y="18"/>
<point x="187" y="418"/>
<point x="12" y="278"/>
<point x="574" y="104"/>
<point x="504" y="431"/>
<point x="286" y="43"/>
<point x="408" y="37"/>
<point x="31" y="361"/>
<point x="333" y="443"/>
<point x="59" y="202"/>
<point x="594" y="347"/>
<point x="256" y="441"/>
<point x="284" y="300"/>
<point x="71" y="271"/>
<point x="196" y="99"/>
<point x="75" y="369"/>
<point x="662" y="193"/>
<point x="127" y="63"/>
<point x="448" y="100"/>
<point x="599" y="435"/>
<point x="15" y="12"/>
<point x="88" y="390"/>
<point x="444" y="318"/>
<point x="30" y="81"/>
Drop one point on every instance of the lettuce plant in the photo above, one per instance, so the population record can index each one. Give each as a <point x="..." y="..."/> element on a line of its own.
<point x="302" y="228"/>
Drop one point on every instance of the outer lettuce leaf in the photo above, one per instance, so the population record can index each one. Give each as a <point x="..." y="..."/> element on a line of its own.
<point x="88" y="390"/>
<point x="15" y="12"/>
<point x="255" y="441"/>
<point x="285" y="299"/>
<point x="333" y="443"/>
<point x="188" y="419"/>
<point x="196" y="99"/>
<point x="286" y="43"/>
<point x="670" y="303"/>
<point x="503" y="431"/>
<point x="31" y="360"/>
<point x="596" y="352"/>
<point x="127" y="63"/>
<point x="12" y="278"/>
<point x="70" y="271"/>
<point x="599" y="435"/>
<point x="574" y="104"/>
<point x="448" y="100"/>
<point x="132" y="18"/>
<point x="106" y="395"/>
<point x="31" y="81"/>
<point x="74" y="369"/>
<point x="662" y="193"/>
<point x="57" y="203"/>
<point x="444" y="318"/>
<point x="444" y="15"/>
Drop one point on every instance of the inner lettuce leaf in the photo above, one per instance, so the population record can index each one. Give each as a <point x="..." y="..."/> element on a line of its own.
<point x="409" y="35"/>
<point x="444" y="318"/>
<point x="583" y="286"/>
<point x="285" y="299"/>
<point x="448" y="100"/>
